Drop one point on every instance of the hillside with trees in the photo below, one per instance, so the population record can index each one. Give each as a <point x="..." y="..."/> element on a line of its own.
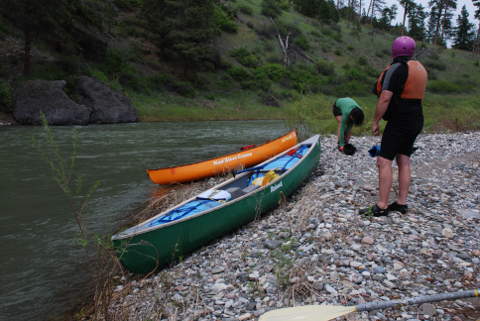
<point x="240" y="59"/>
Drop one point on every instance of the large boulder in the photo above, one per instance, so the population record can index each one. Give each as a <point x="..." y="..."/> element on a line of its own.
<point x="108" y="106"/>
<point x="48" y="97"/>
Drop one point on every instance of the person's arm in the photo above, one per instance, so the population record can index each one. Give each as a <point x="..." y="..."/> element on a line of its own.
<point x="382" y="105"/>
<point x="339" y="131"/>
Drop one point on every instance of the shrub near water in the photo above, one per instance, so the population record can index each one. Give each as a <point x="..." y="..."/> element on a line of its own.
<point x="446" y="87"/>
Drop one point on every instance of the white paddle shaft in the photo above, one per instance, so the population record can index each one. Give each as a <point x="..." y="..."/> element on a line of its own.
<point x="417" y="300"/>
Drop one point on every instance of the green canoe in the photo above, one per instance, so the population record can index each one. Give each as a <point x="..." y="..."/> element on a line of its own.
<point x="189" y="225"/>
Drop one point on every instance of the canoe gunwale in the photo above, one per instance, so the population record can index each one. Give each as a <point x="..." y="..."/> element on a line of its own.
<point x="222" y="156"/>
<point x="312" y="140"/>
<point x="226" y="163"/>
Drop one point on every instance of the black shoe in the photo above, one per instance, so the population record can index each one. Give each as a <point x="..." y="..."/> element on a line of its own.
<point x="374" y="211"/>
<point x="395" y="207"/>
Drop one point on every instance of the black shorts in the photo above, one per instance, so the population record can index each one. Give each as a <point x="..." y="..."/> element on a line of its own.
<point x="398" y="139"/>
<point x="336" y="110"/>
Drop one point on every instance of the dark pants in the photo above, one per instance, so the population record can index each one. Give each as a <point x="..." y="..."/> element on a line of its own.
<point x="399" y="137"/>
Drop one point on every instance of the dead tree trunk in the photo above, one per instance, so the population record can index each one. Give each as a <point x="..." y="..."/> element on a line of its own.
<point x="284" y="44"/>
<point x="476" y="43"/>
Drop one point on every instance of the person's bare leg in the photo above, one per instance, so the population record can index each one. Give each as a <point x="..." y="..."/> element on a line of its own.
<point x="384" y="181"/>
<point x="404" y="177"/>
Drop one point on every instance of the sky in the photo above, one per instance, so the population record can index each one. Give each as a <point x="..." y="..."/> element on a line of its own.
<point x="460" y="4"/>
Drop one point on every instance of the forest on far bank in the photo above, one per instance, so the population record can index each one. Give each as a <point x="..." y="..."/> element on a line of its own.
<point x="242" y="59"/>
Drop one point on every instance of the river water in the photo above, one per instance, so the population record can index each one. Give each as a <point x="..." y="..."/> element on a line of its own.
<point x="42" y="269"/>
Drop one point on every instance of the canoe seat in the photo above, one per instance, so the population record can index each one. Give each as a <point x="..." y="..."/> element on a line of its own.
<point x="250" y="188"/>
<point x="235" y="191"/>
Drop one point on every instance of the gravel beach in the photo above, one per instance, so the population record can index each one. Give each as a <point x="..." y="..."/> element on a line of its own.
<point x="316" y="249"/>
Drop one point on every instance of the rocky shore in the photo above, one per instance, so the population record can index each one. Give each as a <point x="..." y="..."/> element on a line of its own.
<point x="316" y="249"/>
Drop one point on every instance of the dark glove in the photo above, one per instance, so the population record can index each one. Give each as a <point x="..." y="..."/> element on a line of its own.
<point x="349" y="149"/>
<point x="374" y="151"/>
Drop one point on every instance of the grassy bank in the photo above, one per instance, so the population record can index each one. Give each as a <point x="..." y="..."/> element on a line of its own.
<point x="442" y="112"/>
<point x="237" y="106"/>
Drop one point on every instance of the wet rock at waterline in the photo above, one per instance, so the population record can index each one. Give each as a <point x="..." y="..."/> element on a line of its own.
<point x="48" y="97"/>
<point x="95" y="103"/>
<point x="107" y="105"/>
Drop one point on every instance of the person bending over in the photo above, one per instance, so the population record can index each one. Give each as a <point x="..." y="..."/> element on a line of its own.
<point x="347" y="113"/>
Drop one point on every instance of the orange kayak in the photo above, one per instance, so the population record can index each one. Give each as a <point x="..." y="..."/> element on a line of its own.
<point x="223" y="164"/>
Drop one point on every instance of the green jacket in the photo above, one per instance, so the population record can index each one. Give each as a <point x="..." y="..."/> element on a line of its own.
<point x="345" y="105"/>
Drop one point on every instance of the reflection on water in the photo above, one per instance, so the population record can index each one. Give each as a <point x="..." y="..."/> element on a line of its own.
<point x="42" y="268"/>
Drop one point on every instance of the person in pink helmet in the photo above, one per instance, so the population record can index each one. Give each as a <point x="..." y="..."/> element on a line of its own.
<point x="400" y="89"/>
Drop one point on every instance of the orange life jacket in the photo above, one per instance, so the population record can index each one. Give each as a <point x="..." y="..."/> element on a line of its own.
<point x="415" y="84"/>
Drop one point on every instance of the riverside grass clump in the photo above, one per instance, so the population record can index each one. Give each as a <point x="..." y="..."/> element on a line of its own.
<point x="104" y="264"/>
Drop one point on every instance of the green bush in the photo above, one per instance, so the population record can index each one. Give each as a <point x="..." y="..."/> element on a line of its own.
<point x="338" y="52"/>
<point x="338" y="37"/>
<point x="354" y="73"/>
<point x="288" y="95"/>
<point x="275" y="72"/>
<point x="116" y="62"/>
<point x="269" y="98"/>
<point x="444" y="87"/>
<point x="266" y="30"/>
<point x="438" y="65"/>
<point x="268" y="46"/>
<point x="159" y="81"/>
<point x="136" y="82"/>
<point x="273" y="8"/>
<point x="259" y="79"/>
<point x="245" y="57"/>
<point x="246" y="10"/>
<point x="347" y="88"/>
<point x="305" y="79"/>
<point x="325" y="68"/>
<point x="433" y="55"/>
<point x="224" y="21"/>
<point x="183" y="88"/>
<point x="350" y="48"/>
<point x="101" y="76"/>
<point x="97" y="74"/>
<point x="362" y="61"/>
<point x="6" y="98"/>
<point x="328" y="32"/>
<point x="239" y="73"/>
<point x="302" y="42"/>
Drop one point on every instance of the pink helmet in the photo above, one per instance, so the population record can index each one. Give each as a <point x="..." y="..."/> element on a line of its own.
<point x="403" y="46"/>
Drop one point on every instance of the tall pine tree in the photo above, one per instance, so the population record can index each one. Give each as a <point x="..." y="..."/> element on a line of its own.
<point x="464" y="32"/>
<point x="416" y="22"/>
<point x="407" y="5"/>
<point x="440" y="26"/>
<point x="476" y="46"/>
<point x="33" y="18"/>
<point x="59" y="21"/>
